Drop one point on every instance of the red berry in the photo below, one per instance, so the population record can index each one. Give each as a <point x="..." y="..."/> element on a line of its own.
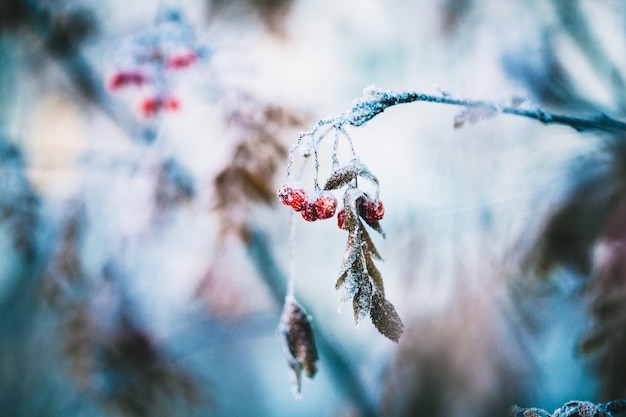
<point x="171" y="103"/>
<point x="180" y="61"/>
<point x="310" y="212"/>
<point x="125" y="78"/>
<point x="325" y="205"/>
<point x="341" y="218"/>
<point x="151" y="106"/>
<point x="373" y="212"/>
<point x="296" y="198"/>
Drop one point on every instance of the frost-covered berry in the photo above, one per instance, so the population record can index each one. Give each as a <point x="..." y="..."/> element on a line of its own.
<point x="310" y="212"/>
<point x="325" y="205"/>
<point x="341" y="218"/>
<point x="295" y="198"/>
<point x="373" y="212"/>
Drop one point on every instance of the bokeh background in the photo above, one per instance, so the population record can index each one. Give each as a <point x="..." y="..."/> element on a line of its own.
<point x="145" y="256"/>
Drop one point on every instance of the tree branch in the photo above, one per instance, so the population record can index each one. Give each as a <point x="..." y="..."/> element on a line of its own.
<point x="375" y="101"/>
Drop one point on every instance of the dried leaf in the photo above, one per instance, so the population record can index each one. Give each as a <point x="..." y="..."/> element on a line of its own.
<point x="374" y="274"/>
<point x="385" y="318"/>
<point x="297" y="335"/>
<point x="341" y="281"/>
<point x="369" y="245"/>
<point x="347" y="173"/>
<point x="474" y="114"/>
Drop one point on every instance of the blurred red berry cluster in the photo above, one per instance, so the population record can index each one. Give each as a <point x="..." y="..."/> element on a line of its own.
<point x="147" y="61"/>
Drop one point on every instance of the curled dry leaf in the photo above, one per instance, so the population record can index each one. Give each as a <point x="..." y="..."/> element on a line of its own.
<point x="297" y="334"/>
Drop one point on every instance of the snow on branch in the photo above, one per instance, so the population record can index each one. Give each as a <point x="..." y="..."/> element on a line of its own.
<point x="574" y="409"/>
<point x="375" y="101"/>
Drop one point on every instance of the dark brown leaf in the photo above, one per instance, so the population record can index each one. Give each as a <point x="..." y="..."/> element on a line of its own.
<point x="374" y="274"/>
<point x="347" y="173"/>
<point x="369" y="245"/>
<point x="385" y="318"/>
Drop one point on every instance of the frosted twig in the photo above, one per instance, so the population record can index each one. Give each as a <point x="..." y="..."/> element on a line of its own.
<point x="574" y="408"/>
<point x="376" y="101"/>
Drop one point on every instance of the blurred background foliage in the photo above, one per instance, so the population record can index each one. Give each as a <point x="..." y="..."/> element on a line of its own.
<point x="144" y="254"/>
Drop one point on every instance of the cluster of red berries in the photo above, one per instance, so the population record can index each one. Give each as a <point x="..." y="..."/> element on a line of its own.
<point x="152" y="105"/>
<point x="369" y="210"/>
<point x="322" y="205"/>
<point x="319" y="206"/>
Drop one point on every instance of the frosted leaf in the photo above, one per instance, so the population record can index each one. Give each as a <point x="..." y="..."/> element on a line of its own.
<point x="297" y="335"/>
<point x="362" y="301"/>
<point x="344" y="175"/>
<point x="369" y="245"/>
<point x="354" y="280"/>
<point x="374" y="274"/>
<point x="353" y="252"/>
<point x="385" y="318"/>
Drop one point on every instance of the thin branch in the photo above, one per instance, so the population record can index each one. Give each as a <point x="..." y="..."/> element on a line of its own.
<point x="376" y="101"/>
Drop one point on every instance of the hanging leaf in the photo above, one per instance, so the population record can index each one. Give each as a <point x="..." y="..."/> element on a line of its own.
<point x="374" y="274"/>
<point x="385" y="318"/>
<point x="369" y="245"/>
<point x="297" y="335"/>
